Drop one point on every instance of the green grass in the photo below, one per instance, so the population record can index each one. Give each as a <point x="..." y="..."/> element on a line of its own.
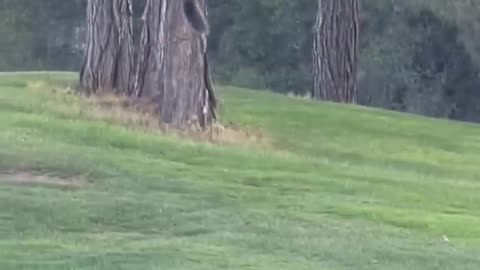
<point x="341" y="187"/>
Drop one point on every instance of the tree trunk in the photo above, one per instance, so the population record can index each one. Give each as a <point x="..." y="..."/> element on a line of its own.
<point x="108" y="63"/>
<point x="335" y="52"/>
<point x="173" y="67"/>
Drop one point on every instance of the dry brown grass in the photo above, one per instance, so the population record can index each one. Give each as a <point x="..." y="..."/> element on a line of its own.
<point x="306" y="96"/>
<point x="141" y="114"/>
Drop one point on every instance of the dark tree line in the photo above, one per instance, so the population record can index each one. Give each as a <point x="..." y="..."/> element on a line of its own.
<point x="414" y="55"/>
<point x="172" y="67"/>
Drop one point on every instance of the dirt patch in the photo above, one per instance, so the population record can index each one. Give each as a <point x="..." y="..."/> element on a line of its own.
<point x="36" y="178"/>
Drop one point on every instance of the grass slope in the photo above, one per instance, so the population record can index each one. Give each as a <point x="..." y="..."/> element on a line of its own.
<point x="340" y="187"/>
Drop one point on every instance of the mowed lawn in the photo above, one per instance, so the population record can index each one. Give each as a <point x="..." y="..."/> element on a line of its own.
<point x="329" y="187"/>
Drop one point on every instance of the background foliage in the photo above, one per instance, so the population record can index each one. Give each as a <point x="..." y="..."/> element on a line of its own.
<point x="417" y="56"/>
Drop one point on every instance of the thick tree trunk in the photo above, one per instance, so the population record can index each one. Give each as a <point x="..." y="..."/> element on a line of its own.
<point x="108" y="63"/>
<point x="335" y="51"/>
<point x="173" y="67"/>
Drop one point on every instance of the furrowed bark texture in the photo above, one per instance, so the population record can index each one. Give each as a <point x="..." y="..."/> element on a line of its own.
<point x="172" y="66"/>
<point x="335" y="50"/>
<point x="108" y="63"/>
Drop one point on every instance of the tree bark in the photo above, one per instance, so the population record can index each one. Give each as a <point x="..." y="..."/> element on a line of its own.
<point x="172" y="66"/>
<point x="108" y="63"/>
<point x="335" y="51"/>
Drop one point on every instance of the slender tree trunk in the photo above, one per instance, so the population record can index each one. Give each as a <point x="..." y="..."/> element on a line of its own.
<point x="172" y="66"/>
<point x="335" y="52"/>
<point x="108" y="63"/>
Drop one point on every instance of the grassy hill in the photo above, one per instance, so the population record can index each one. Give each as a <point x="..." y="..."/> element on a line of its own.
<point x="325" y="187"/>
